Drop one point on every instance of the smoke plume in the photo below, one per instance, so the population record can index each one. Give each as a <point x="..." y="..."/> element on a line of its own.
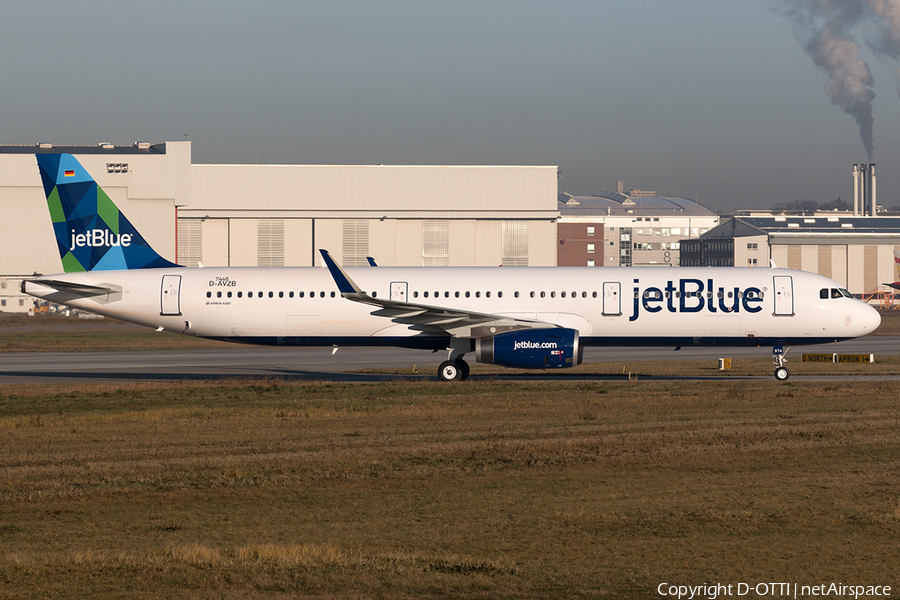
<point x="850" y="82"/>
<point x="825" y="28"/>
<point x="888" y="13"/>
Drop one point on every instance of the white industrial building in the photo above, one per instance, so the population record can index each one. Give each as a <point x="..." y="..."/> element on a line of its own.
<point x="269" y="215"/>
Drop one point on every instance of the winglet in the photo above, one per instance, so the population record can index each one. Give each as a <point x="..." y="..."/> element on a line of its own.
<point x="341" y="279"/>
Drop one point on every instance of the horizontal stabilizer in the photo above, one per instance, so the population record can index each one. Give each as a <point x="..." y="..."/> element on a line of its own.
<point x="44" y="288"/>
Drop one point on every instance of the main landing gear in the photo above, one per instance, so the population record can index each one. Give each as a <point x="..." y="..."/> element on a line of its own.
<point x="454" y="370"/>
<point x="781" y="372"/>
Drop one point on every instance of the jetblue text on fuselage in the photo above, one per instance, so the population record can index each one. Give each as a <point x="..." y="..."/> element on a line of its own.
<point x="98" y="238"/>
<point x="693" y="296"/>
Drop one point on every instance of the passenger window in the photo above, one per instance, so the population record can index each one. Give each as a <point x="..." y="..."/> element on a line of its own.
<point x="271" y="294"/>
<point x="332" y="294"/>
<point x="456" y="294"/>
<point x="553" y="294"/>
<point x="562" y="295"/>
<point x="301" y="294"/>
<point x="516" y="294"/>
<point x="499" y="294"/>
<point x="240" y="294"/>
<point x="478" y="294"/>
<point x="291" y="294"/>
<point x="229" y="294"/>
<point x="425" y="294"/>
<point x="415" y="294"/>
<point x="532" y="294"/>
<point x="218" y="294"/>
<point x="543" y="294"/>
<point x="446" y="294"/>
<point x="281" y="294"/>
<point x="321" y="294"/>
<point x="487" y="294"/>
<point x="467" y="294"/>
<point x="209" y="294"/>
<point x="594" y="294"/>
<point x="249" y="294"/>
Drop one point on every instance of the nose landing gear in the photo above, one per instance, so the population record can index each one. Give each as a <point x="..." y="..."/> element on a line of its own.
<point x="781" y="372"/>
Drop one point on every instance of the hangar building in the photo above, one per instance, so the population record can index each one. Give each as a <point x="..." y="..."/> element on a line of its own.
<point x="273" y="215"/>
<point x="855" y="251"/>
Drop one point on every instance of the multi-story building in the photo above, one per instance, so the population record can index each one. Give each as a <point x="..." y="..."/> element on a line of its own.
<point x="615" y="229"/>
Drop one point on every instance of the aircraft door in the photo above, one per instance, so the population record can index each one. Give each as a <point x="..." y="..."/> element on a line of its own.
<point x="170" y="299"/>
<point x="612" y="298"/>
<point x="399" y="290"/>
<point x="784" y="295"/>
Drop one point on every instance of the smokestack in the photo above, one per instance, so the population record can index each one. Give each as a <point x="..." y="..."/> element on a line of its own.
<point x="855" y="190"/>
<point x="872" y="188"/>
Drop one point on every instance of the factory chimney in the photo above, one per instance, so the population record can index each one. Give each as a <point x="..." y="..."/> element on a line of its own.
<point x="871" y="190"/>
<point x="864" y="199"/>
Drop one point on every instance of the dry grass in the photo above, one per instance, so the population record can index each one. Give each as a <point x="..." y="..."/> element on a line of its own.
<point x="268" y="489"/>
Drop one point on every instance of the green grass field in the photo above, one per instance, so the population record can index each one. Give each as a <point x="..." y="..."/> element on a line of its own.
<point x="247" y="489"/>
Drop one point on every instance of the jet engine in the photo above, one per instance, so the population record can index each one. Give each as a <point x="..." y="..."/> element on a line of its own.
<point x="554" y="347"/>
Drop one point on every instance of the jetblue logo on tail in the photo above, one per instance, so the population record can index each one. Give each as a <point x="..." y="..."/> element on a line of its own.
<point x="99" y="237"/>
<point x="91" y="232"/>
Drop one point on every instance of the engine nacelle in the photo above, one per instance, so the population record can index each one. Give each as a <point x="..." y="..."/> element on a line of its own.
<point x="530" y="348"/>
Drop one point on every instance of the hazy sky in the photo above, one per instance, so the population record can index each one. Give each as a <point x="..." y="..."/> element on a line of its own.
<point x="714" y="100"/>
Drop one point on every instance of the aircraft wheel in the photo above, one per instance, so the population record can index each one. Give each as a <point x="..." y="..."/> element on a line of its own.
<point x="449" y="371"/>
<point x="463" y="368"/>
<point x="781" y="374"/>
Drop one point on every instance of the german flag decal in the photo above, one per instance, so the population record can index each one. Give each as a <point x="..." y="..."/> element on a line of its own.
<point x="70" y="172"/>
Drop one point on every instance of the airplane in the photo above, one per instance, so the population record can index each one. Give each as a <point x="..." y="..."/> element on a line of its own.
<point x="520" y="317"/>
<point x="896" y="284"/>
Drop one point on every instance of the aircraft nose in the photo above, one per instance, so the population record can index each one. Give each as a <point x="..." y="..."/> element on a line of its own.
<point x="868" y="319"/>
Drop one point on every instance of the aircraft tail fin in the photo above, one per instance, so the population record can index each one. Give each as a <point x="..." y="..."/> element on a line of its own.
<point x="91" y="232"/>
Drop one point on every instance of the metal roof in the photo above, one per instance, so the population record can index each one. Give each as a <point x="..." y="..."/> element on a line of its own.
<point x="103" y="148"/>
<point x="845" y="225"/>
<point x="615" y="204"/>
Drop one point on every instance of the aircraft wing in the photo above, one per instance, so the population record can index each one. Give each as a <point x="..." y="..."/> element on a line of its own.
<point x="423" y="317"/>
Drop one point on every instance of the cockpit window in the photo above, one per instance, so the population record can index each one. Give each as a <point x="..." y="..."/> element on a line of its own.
<point x="824" y="293"/>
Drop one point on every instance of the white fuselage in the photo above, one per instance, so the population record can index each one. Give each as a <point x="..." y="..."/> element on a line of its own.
<point x="607" y="306"/>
